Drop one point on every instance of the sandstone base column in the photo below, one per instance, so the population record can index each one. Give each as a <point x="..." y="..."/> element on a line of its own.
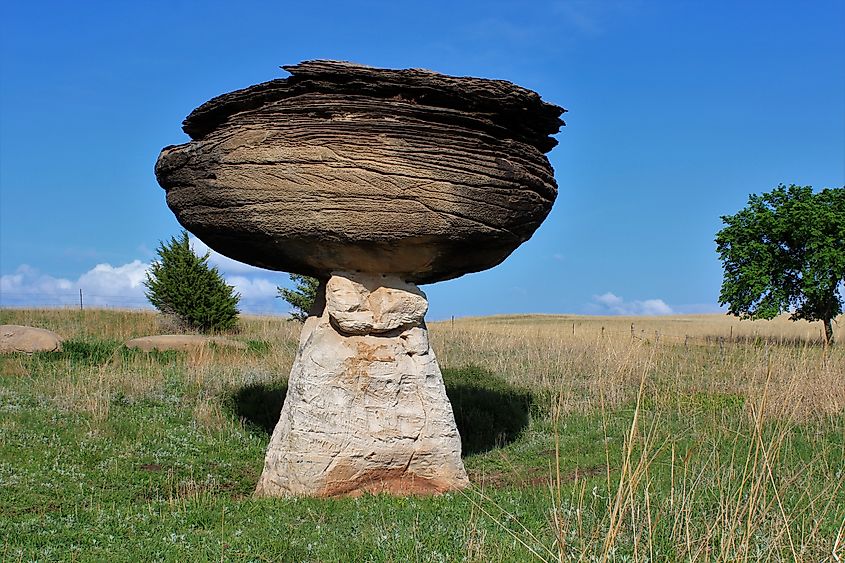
<point x="366" y="409"/>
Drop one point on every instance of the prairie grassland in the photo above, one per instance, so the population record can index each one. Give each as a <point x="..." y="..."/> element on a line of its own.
<point x="586" y="360"/>
<point x="691" y="438"/>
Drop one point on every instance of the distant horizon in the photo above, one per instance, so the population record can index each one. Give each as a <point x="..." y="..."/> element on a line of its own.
<point x="615" y="317"/>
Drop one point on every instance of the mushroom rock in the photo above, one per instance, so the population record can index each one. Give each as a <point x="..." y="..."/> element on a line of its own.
<point x="374" y="181"/>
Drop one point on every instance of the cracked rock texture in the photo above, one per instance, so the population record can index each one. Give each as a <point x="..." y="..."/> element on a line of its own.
<point x="373" y="303"/>
<point x="347" y="167"/>
<point x="366" y="409"/>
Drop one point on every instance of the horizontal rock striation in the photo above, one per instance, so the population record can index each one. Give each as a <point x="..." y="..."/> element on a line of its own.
<point x="347" y="167"/>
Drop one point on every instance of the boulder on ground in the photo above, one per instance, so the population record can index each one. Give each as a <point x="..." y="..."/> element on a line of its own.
<point x="181" y="342"/>
<point x="16" y="338"/>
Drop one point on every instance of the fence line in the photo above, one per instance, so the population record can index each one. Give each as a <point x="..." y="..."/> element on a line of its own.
<point x="714" y="339"/>
<point x="81" y="299"/>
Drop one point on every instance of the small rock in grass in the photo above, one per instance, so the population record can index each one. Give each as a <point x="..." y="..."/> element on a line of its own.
<point x="16" y="338"/>
<point x="181" y="342"/>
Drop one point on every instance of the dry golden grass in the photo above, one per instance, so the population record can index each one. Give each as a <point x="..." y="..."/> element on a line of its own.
<point x="117" y="324"/>
<point x="579" y="360"/>
<point x="601" y="360"/>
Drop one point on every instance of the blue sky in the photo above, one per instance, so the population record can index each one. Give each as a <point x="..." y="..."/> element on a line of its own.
<point x="677" y="111"/>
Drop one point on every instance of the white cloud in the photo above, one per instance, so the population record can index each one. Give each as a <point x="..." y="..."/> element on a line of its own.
<point x="122" y="286"/>
<point x="258" y="295"/>
<point x="256" y="286"/>
<point x="611" y="304"/>
<point x="106" y="279"/>
<point x="608" y="299"/>
<point x="653" y="307"/>
<point x="103" y="285"/>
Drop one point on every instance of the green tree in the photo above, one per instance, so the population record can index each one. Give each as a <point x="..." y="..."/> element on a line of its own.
<point x="182" y="284"/>
<point x="302" y="297"/>
<point x="785" y="251"/>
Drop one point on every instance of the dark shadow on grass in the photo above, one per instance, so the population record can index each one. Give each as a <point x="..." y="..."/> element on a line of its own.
<point x="489" y="412"/>
<point x="258" y="405"/>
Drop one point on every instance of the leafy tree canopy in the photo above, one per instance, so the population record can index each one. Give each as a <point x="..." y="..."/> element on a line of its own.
<point x="302" y="297"/>
<point x="182" y="284"/>
<point x="785" y="251"/>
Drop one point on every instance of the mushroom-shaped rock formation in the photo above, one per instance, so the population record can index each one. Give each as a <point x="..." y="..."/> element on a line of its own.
<point x="373" y="181"/>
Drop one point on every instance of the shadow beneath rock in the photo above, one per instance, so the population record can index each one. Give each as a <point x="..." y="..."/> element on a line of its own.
<point x="258" y="405"/>
<point x="489" y="412"/>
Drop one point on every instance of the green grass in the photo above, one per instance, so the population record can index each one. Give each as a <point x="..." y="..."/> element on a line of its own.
<point x="133" y="470"/>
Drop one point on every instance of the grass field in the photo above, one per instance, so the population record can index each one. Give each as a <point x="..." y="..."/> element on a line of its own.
<point x="678" y="438"/>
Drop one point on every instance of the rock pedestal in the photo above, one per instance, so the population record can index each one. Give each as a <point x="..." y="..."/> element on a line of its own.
<point x="27" y="339"/>
<point x="366" y="409"/>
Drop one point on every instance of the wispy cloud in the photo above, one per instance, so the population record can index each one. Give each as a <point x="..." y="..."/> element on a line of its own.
<point x="106" y="285"/>
<point x="592" y="18"/>
<point x="103" y="285"/>
<point x="612" y="304"/>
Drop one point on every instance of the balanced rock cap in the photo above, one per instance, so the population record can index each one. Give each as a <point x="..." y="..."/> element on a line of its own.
<point x="348" y="167"/>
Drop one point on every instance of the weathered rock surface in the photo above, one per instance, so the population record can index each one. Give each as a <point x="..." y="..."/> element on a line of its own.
<point x="347" y="167"/>
<point x="373" y="304"/>
<point x="365" y="411"/>
<point x="181" y="342"/>
<point x="16" y="338"/>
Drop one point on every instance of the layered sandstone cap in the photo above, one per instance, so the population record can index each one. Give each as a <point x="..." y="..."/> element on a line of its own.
<point x="348" y="167"/>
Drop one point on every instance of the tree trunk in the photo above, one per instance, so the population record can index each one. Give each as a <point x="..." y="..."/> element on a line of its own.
<point x="828" y="332"/>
